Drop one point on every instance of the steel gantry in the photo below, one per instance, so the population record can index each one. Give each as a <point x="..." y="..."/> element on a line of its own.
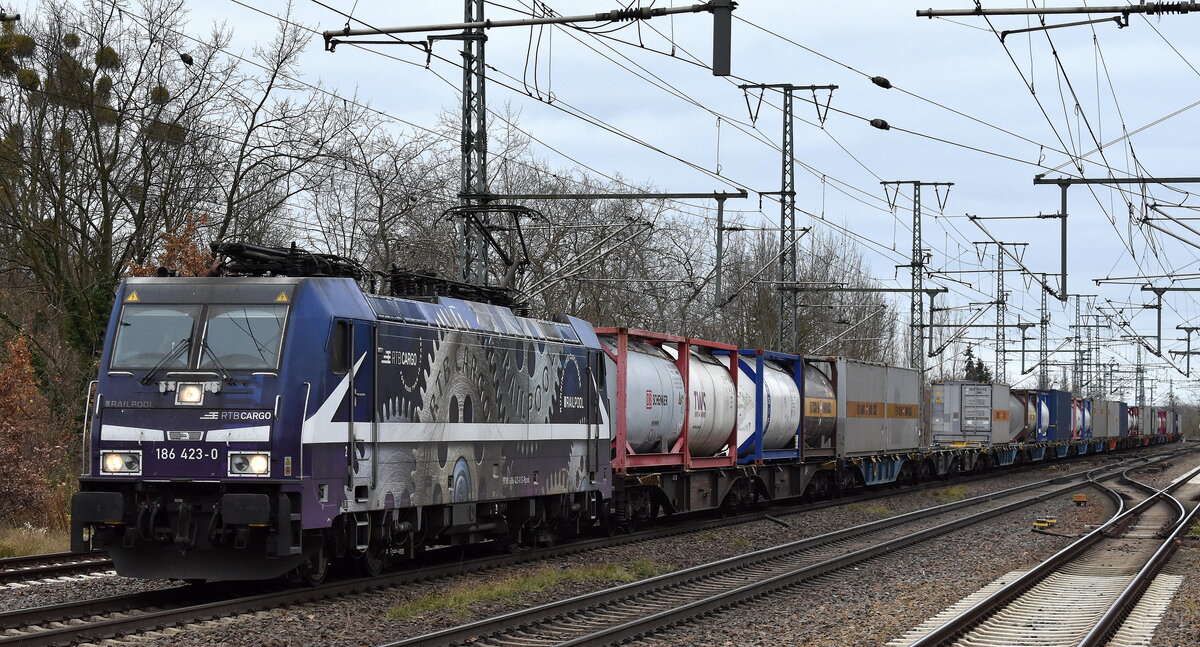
<point x="788" y="235"/>
<point x="916" y="356"/>
<point x="473" y="180"/>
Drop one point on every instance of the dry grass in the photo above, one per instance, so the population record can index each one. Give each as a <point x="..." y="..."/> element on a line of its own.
<point x="28" y="540"/>
<point x="947" y="494"/>
<point x="461" y="597"/>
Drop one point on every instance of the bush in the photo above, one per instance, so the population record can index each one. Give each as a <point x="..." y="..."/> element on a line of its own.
<point x="104" y="86"/>
<point x="159" y="95"/>
<point x="28" y="79"/>
<point x="23" y="45"/>
<point x="107" y="59"/>
<point x="31" y="449"/>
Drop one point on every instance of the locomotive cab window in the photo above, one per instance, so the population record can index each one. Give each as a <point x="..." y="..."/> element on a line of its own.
<point x="339" y="348"/>
<point x="154" y="333"/>
<point x="243" y="336"/>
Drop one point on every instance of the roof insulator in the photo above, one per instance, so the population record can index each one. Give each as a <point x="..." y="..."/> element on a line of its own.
<point x="881" y="82"/>
<point x="881" y="124"/>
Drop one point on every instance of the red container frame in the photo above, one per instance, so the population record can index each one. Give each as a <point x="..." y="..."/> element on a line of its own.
<point x="679" y="456"/>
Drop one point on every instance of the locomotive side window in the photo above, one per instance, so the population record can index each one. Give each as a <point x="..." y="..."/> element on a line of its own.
<point x="150" y="334"/>
<point x="339" y="358"/>
<point x="243" y="336"/>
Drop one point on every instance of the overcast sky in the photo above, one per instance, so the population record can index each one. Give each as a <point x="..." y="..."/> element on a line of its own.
<point x="961" y="111"/>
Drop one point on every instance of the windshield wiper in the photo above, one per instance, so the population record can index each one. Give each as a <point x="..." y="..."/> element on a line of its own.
<point x="183" y="344"/>
<point x="225" y="376"/>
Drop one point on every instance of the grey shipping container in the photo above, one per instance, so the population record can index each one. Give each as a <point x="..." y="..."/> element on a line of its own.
<point x="878" y="409"/>
<point x="1106" y="419"/>
<point x="968" y="413"/>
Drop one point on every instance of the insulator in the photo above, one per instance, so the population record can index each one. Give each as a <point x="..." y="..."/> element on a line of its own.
<point x="881" y="124"/>
<point x="1161" y="8"/>
<point x="881" y="82"/>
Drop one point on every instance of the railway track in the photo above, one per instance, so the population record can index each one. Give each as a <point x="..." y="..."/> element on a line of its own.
<point x="37" y="567"/>
<point x="640" y="609"/>
<point x="101" y="618"/>
<point x="1104" y="578"/>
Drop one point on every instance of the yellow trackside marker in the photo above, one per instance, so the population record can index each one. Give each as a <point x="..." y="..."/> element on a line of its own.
<point x="133" y="296"/>
<point x="282" y="298"/>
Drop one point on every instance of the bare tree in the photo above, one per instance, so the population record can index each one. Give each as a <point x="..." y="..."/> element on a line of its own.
<point x="103" y="148"/>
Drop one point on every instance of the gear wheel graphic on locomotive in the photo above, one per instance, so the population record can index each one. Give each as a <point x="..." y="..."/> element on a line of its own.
<point x="462" y="489"/>
<point x="454" y="379"/>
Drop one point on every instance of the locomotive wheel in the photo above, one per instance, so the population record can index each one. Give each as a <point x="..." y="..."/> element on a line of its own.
<point x="314" y="571"/>
<point x="370" y="563"/>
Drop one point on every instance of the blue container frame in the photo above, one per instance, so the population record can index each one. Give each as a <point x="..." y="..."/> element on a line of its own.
<point x="751" y="451"/>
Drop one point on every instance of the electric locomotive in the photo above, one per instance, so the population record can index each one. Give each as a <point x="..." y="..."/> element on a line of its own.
<point x="275" y="418"/>
<point x="249" y="427"/>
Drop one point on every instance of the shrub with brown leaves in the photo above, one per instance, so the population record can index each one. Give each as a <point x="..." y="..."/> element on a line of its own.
<point x="181" y="251"/>
<point x="32" y="450"/>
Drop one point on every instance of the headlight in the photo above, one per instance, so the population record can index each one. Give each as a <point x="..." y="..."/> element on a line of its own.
<point x="259" y="464"/>
<point x="189" y="394"/>
<point x="249" y="464"/>
<point x="121" y="462"/>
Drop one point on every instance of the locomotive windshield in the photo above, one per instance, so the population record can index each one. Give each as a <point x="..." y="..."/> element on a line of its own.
<point x="243" y="336"/>
<point x="234" y="337"/>
<point x="150" y="333"/>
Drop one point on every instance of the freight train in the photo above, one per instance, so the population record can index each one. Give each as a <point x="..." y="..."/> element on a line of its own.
<point x="275" y="418"/>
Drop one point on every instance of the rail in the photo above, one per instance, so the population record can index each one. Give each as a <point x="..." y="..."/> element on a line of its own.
<point x="1129" y="597"/>
<point x="998" y="599"/>
<point x="650" y="623"/>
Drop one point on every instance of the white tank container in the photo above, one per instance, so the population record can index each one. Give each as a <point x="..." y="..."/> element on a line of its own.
<point x="713" y="400"/>
<point x="781" y="408"/>
<point x="654" y="397"/>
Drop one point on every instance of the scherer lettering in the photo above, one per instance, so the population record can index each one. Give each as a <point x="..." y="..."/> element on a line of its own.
<point x="655" y="399"/>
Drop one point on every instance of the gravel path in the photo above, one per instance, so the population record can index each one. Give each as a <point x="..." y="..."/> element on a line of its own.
<point x="1180" y="626"/>
<point x="362" y="620"/>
